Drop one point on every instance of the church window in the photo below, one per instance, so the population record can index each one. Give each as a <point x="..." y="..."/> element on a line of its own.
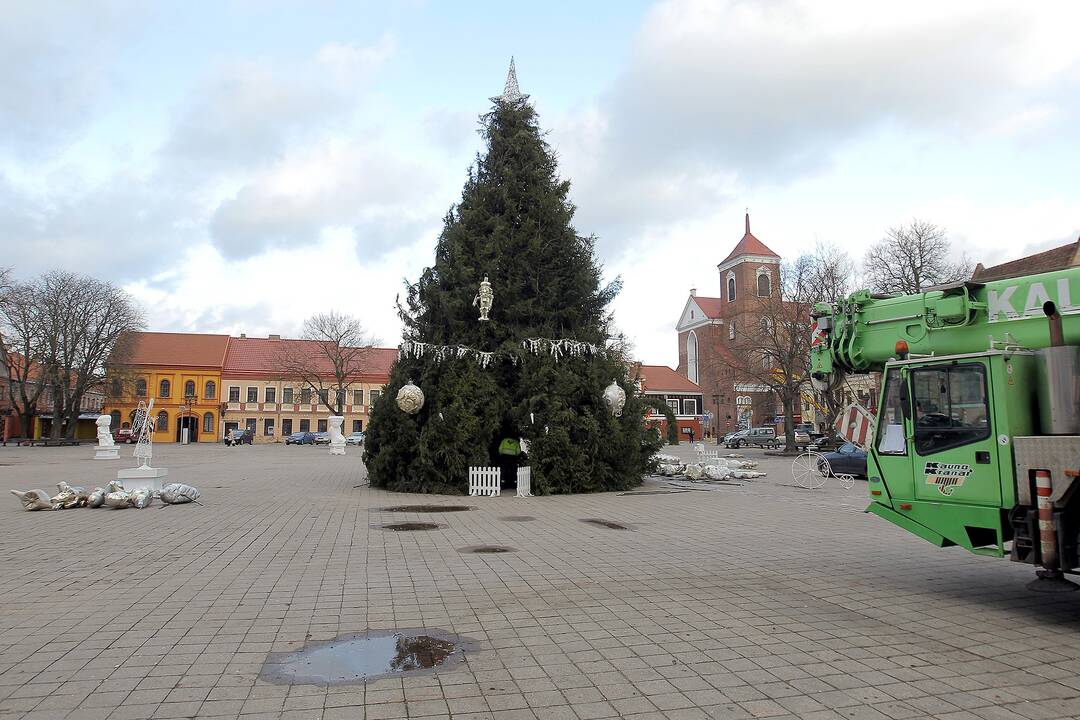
<point x="764" y="283"/>
<point x="731" y="287"/>
<point x="692" y="357"/>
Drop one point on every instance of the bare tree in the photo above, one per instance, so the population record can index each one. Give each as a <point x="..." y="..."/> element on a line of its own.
<point x="830" y="277"/>
<point x="60" y="332"/>
<point x="337" y="352"/>
<point x="21" y="348"/>
<point x="911" y="258"/>
<point x="774" y="350"/>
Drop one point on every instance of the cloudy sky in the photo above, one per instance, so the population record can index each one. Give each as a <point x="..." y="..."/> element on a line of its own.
<point x="239" y="165"/>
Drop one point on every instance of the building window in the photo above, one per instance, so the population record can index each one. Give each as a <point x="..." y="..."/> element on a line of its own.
<point x="271" y="394"/>
<point x="162" y="424"/>
<point x="250" y="424"/>
<point x="210" y="391"/>
<point x="689" y="407"/>
<point x="357" y="397"/>
<point x="764" y="283"/>
<point x="373" y="395"/>
<point x="731" y="330"/>
<point x="268" y="426"/>
<point x="692" y="357"/>
<point x="164" y="388"/>
<point x="286" y="426"/>
<point x="286" y="395"/>
<point x="305" y="396"/>
<point x="674" y="405"/>
<point x="208" y="423"/>
<point x="322" y="425"/>
<point x="305" y="426"/>
<point x="357" y="425"/>
<point x="115" y="415"/>
<point x="324" y="396"/>
<point x="234" y="394"/>
<point x="730" y="286"/>
<point x="115" y="389"/>
<point x="189" y="389"/>
<point x="253" y="394"/>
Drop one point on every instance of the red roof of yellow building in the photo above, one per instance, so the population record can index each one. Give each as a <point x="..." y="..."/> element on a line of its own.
<point x="261" y="357"/>
<point x="178" y="349"/>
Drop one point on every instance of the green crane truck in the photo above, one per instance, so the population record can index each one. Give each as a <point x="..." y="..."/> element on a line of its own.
<point x="977" y="437"/>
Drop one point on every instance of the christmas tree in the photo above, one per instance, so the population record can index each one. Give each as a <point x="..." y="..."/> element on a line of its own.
<point x="538" y="366"/>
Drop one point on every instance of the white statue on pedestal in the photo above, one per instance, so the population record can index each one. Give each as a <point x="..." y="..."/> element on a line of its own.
<point x="106" y="448"/>
<point x="143" y="476"/>
<point x="337" y="440"/>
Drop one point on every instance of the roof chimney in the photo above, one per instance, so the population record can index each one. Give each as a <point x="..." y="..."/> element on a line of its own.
<point x="275" y="337"/>
<point x="693" y="292"/>
<point x="243" y="336"/>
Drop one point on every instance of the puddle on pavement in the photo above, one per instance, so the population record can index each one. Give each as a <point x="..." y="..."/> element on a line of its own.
<point x="518" y="518"/>
<point x="485" y="549"/>
<point x="609" y="524"/>
<point x="427" y="508"/>
<point x="408" y="526"/>
<point x="365" y="656"/>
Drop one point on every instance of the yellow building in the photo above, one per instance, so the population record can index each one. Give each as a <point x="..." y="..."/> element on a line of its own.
<point x="181" y="373"/>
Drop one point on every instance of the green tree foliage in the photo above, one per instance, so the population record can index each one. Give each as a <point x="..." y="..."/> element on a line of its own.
<point x="514" y="226"/>
<point x="664" y="409"/>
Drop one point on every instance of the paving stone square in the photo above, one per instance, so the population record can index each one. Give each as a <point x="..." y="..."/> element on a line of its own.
<point x="752" y="599"/>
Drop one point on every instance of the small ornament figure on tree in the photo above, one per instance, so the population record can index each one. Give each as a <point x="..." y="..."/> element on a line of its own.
<point x="484" y="298"/>
<point x="539" y="373"/>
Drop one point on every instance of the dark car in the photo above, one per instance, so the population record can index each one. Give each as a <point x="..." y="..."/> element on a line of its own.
<point x="301" y="438"/>
<point x="759" y="436"/>
<point x="848" y="460"/>
<point x="124" y="435"/>
<point x="240" y="437"/>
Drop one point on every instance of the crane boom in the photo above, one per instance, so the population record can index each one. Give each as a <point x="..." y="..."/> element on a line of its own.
<point x="859" y="333"/>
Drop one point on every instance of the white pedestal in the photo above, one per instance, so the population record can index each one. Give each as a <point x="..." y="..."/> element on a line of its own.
<point x="142" y="477"/>
<point x="106" y="452"/>
<point x="337" y="449"/>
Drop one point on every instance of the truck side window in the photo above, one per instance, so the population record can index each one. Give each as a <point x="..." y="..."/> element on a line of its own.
<point x="950" y="407"/>
<point x="890" y="430"/>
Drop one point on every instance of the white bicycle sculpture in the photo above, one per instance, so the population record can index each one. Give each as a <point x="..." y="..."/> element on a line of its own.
<point x="811" y="469"/>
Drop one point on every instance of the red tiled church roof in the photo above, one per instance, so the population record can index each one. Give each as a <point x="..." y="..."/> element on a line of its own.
<point x="660" y="378"/>
<point x="749" y="245"/>
<point x="178" y="349"/>
<point x="709" y="305"/>
<point x="1057" y="258"/>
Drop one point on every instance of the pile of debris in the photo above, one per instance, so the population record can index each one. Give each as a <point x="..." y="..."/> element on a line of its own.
<point x="112" y="495"/>
<point x="730" y="467"/>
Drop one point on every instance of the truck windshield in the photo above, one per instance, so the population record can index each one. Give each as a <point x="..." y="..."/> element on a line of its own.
<point x="890" y="431"/>
<point x="950" y="406"/>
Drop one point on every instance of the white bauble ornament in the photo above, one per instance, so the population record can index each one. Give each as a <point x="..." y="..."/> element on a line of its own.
<point x="410" y="398"/>
<point x="615" y="397"/>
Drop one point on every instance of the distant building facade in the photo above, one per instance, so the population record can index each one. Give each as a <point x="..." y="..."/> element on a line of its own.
<point x="205" y="385"/>
<point x="677" y="392"/>
<point x="709" y="327"/>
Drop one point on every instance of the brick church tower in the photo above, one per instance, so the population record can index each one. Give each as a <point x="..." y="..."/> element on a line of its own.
<point x="709" y="326"/>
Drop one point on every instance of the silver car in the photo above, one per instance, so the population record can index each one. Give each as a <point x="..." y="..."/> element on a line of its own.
<point x="354" y="438"/>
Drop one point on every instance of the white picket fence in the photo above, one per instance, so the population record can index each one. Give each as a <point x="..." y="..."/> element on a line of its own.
<point x="524" y="481"/>
<point x="484" y="481"/>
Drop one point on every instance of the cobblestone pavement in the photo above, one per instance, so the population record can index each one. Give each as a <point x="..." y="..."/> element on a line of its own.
<point x="753" y="600"/>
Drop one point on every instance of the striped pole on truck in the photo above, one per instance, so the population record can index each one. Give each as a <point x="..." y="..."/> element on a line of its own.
<point x="1044" y="487"/>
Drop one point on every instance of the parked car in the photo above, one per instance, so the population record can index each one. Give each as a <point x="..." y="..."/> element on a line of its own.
<point x="322" y="438"/>
<point x="354" y="438"/>
<point x="848" y="460"/>
<point x="802" y="437"/>
<point x="124" y="435"/>
<point x="240" y="436"/>
<point x="301" y="438"/>
<point x="759" y="436"/>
